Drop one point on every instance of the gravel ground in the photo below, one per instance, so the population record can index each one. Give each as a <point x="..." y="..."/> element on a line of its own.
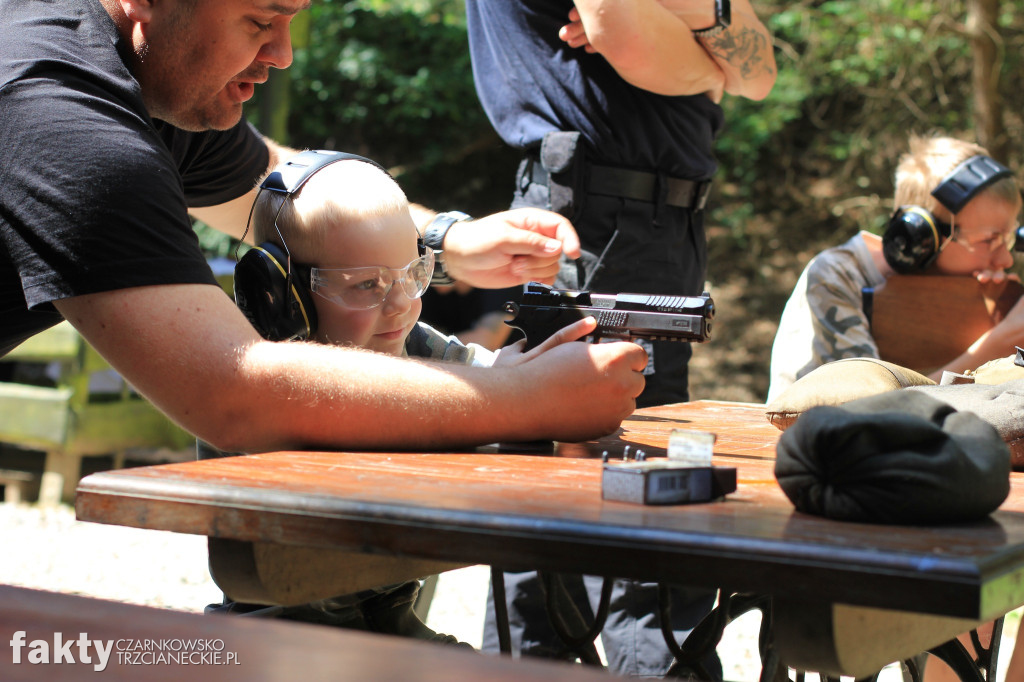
<point x="48" y="549"/>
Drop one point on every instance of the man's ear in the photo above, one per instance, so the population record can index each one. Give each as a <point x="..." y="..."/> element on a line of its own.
<point x="137" y="11"/>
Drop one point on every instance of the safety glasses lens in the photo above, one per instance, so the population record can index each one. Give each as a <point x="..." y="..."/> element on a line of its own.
<point x="417" y="275"/>
<point x="365" y="288"/>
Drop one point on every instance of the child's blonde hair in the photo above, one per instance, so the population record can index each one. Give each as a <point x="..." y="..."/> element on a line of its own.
<point x="343" y="193"/>
<point x="932" y="158"/>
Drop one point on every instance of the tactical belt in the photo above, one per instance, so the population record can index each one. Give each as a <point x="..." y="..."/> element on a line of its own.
<point x="640" y="185"/>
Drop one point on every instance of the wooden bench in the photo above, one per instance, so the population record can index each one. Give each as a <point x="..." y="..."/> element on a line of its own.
<point x="16" y="484"/>
<point x="249" y="649"/>
<point x="69" y="421"/>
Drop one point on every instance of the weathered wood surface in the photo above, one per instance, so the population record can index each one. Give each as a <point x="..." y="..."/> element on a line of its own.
<point x="263" y="650"/>
<point x="546" y="512"/>
<point x="67" y="421"/>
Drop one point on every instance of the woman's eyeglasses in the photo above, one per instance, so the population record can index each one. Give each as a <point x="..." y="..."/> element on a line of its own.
<point x="368" y="287"/>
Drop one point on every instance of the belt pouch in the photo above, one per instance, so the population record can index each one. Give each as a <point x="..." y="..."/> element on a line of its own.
<point x="561" y="156"/>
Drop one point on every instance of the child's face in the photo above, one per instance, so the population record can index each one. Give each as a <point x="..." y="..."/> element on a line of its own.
<point x="390" y="242"/>
<point x="984" y="236"/>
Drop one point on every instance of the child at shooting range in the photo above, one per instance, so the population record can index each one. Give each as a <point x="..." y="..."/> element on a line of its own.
<point x="956" y="213"/>
<point x="350" y="224"/>
<point x="967" y="227"/>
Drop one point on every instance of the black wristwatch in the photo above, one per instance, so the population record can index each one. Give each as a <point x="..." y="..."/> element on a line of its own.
<point x="723" y="17"/>
<point x="433" y="236"/>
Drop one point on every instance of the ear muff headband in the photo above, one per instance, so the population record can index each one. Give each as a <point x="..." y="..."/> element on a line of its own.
<point x="289" y="177"/>
<point x="967" y="179"/>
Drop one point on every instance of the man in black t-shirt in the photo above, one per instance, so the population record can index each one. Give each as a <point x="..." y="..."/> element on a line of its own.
<point x="615" y="107"/>
<point x="118" y="118"/>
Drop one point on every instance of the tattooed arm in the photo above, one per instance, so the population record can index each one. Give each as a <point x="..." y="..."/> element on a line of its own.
<point x="650" y="43"/>
<point x="743" y="51"/>
<point x="647" y="45"/>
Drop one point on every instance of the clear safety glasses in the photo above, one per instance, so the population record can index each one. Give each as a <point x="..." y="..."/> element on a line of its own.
<point x="368" y="287"/>
<point x="994" y="241"/>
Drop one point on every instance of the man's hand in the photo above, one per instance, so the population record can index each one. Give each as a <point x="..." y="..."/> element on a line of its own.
<point x="594" y="383"/>
<point x="509" y="248"/>
<point x="584" y="389"/>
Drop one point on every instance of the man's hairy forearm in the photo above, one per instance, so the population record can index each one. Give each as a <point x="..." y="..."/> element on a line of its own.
<point x="324" y="396"/>
<point x="192" y="353"/>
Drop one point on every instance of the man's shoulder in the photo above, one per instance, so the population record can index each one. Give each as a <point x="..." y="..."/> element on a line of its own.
<point x="66" y="86"/>
<point x="64" y="41"/>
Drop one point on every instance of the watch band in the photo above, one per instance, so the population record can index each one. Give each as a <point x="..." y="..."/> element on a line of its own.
<point x="723" y="17"/>
<point x="433" y="236"/>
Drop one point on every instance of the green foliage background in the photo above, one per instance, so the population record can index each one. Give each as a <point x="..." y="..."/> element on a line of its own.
<point x="392" y="79"/>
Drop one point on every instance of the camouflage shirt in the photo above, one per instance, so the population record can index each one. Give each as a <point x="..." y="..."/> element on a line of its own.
<point x="824" y="319"/>
<point x="426" y="342"/>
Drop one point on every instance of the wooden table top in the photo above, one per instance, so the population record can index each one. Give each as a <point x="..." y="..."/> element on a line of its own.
<point x="545" y="511"/>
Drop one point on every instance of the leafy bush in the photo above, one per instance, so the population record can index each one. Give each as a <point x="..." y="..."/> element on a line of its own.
<point x="391" y="79"/>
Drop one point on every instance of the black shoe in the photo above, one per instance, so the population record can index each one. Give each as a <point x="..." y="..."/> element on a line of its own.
<point x="339" y="616"/>
<point x="392" y="613"/>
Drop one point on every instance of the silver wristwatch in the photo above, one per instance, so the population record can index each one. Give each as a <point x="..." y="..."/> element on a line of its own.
<point x="433" y="236"/>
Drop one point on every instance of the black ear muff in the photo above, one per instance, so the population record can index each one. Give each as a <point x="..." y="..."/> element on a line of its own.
<point x="278" y="306"/>
<point x="913" y="239"/>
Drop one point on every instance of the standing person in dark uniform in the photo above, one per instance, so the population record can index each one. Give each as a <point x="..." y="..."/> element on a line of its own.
<point x="615" y="107"/>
